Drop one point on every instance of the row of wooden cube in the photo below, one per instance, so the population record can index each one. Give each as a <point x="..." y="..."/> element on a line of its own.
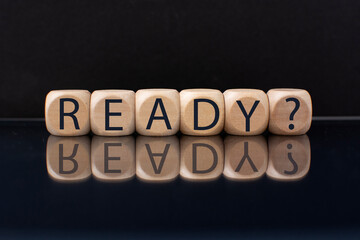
<point x="161" y="159"/>
<point x="163" y="112"/>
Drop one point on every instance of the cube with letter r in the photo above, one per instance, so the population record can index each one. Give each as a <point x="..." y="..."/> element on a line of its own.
<point x="67" y="112"/>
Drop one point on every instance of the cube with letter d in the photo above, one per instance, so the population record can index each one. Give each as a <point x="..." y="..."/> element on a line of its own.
<point x="202" y="112"/>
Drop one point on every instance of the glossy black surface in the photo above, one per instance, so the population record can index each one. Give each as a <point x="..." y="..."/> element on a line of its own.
<point x="325" y="203"/>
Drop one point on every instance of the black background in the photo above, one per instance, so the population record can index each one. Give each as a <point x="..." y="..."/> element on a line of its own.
<point x="133" y="44"/>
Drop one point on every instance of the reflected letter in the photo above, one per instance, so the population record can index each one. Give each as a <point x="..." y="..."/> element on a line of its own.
<point x="157" y="158"/>
<point x="289" y="157"/>
<point x="113" y="158"/>
<point x="202" y="158"/>
<point x="246" y="158"/>
<point x="68" y="158"/>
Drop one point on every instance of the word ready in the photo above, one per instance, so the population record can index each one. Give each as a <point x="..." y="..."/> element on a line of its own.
<point x="163" y="112"/>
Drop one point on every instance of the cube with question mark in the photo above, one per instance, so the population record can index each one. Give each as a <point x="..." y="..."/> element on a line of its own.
<point x="289" y="157"/>
<point x="290" y="111"/>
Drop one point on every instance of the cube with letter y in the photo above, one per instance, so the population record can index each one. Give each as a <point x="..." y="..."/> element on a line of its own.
<point x="246" y="111"/>
<point x="67" y="112"/>
<point x="202" y="112"/>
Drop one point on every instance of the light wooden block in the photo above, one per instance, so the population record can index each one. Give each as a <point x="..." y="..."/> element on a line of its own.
<point x="246" y="158"/>
<point x="290" y="111"/>
<point x="157" y="158"/>
<point x="246" y="111"/>
<point x="202" y="112"/>
<point x="68" y="158"/>
<point x="157" y="112"/>
<point x="113" y="158"/>
<point x="112" y="112"/>
<point x="67" y="112"/>
<point x="289" y="157"/>
<point x="202" y="158"/>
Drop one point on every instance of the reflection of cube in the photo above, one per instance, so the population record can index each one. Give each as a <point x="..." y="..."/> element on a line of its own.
<point x="289" y="157"/>
<point x="112" y="112"/>
<point x="157" y="158"/>
<point x="202" y="158"/>
<point x="246" y="111"/>
<point x="113" y="158"/>
<point x="68" y="158"/>
<point x="67" y="112"/>
<point x="157" y="112"/>
<point x="290" y="111"/>
<point x="202" y="112"/>
<point x="246" y="158"/>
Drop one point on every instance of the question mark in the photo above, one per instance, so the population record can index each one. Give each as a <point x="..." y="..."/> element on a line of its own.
<point x="295" y="169"/>
<point x="297" y="106"/>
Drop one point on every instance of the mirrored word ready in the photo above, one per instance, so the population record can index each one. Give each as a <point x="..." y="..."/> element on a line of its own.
<point x="163" y="159"/>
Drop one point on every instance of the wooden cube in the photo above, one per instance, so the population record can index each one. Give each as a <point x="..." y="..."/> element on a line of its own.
<point x="157" y="158"/>
<point x="289" y="157"/>
<point x="112" y="112"/>
<point x="290" y="111"/>
<point x="246" y="158"/>
<point x="157" y="112"/>
<point x="202" y="158"/>
<point x="202" y="112"/>
<point x="67" y="112"/>
<point x="113" y="158"/>
<point x="68" y="158"/>
<point x="246" y="111"/>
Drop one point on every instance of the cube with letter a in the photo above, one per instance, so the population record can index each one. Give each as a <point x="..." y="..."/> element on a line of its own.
<point x="157" y="112"/>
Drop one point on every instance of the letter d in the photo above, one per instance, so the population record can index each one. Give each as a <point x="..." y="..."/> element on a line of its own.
<point x="196" y="114"/>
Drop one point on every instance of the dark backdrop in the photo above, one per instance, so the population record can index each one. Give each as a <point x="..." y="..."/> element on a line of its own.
<point x="133" y="44"/>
